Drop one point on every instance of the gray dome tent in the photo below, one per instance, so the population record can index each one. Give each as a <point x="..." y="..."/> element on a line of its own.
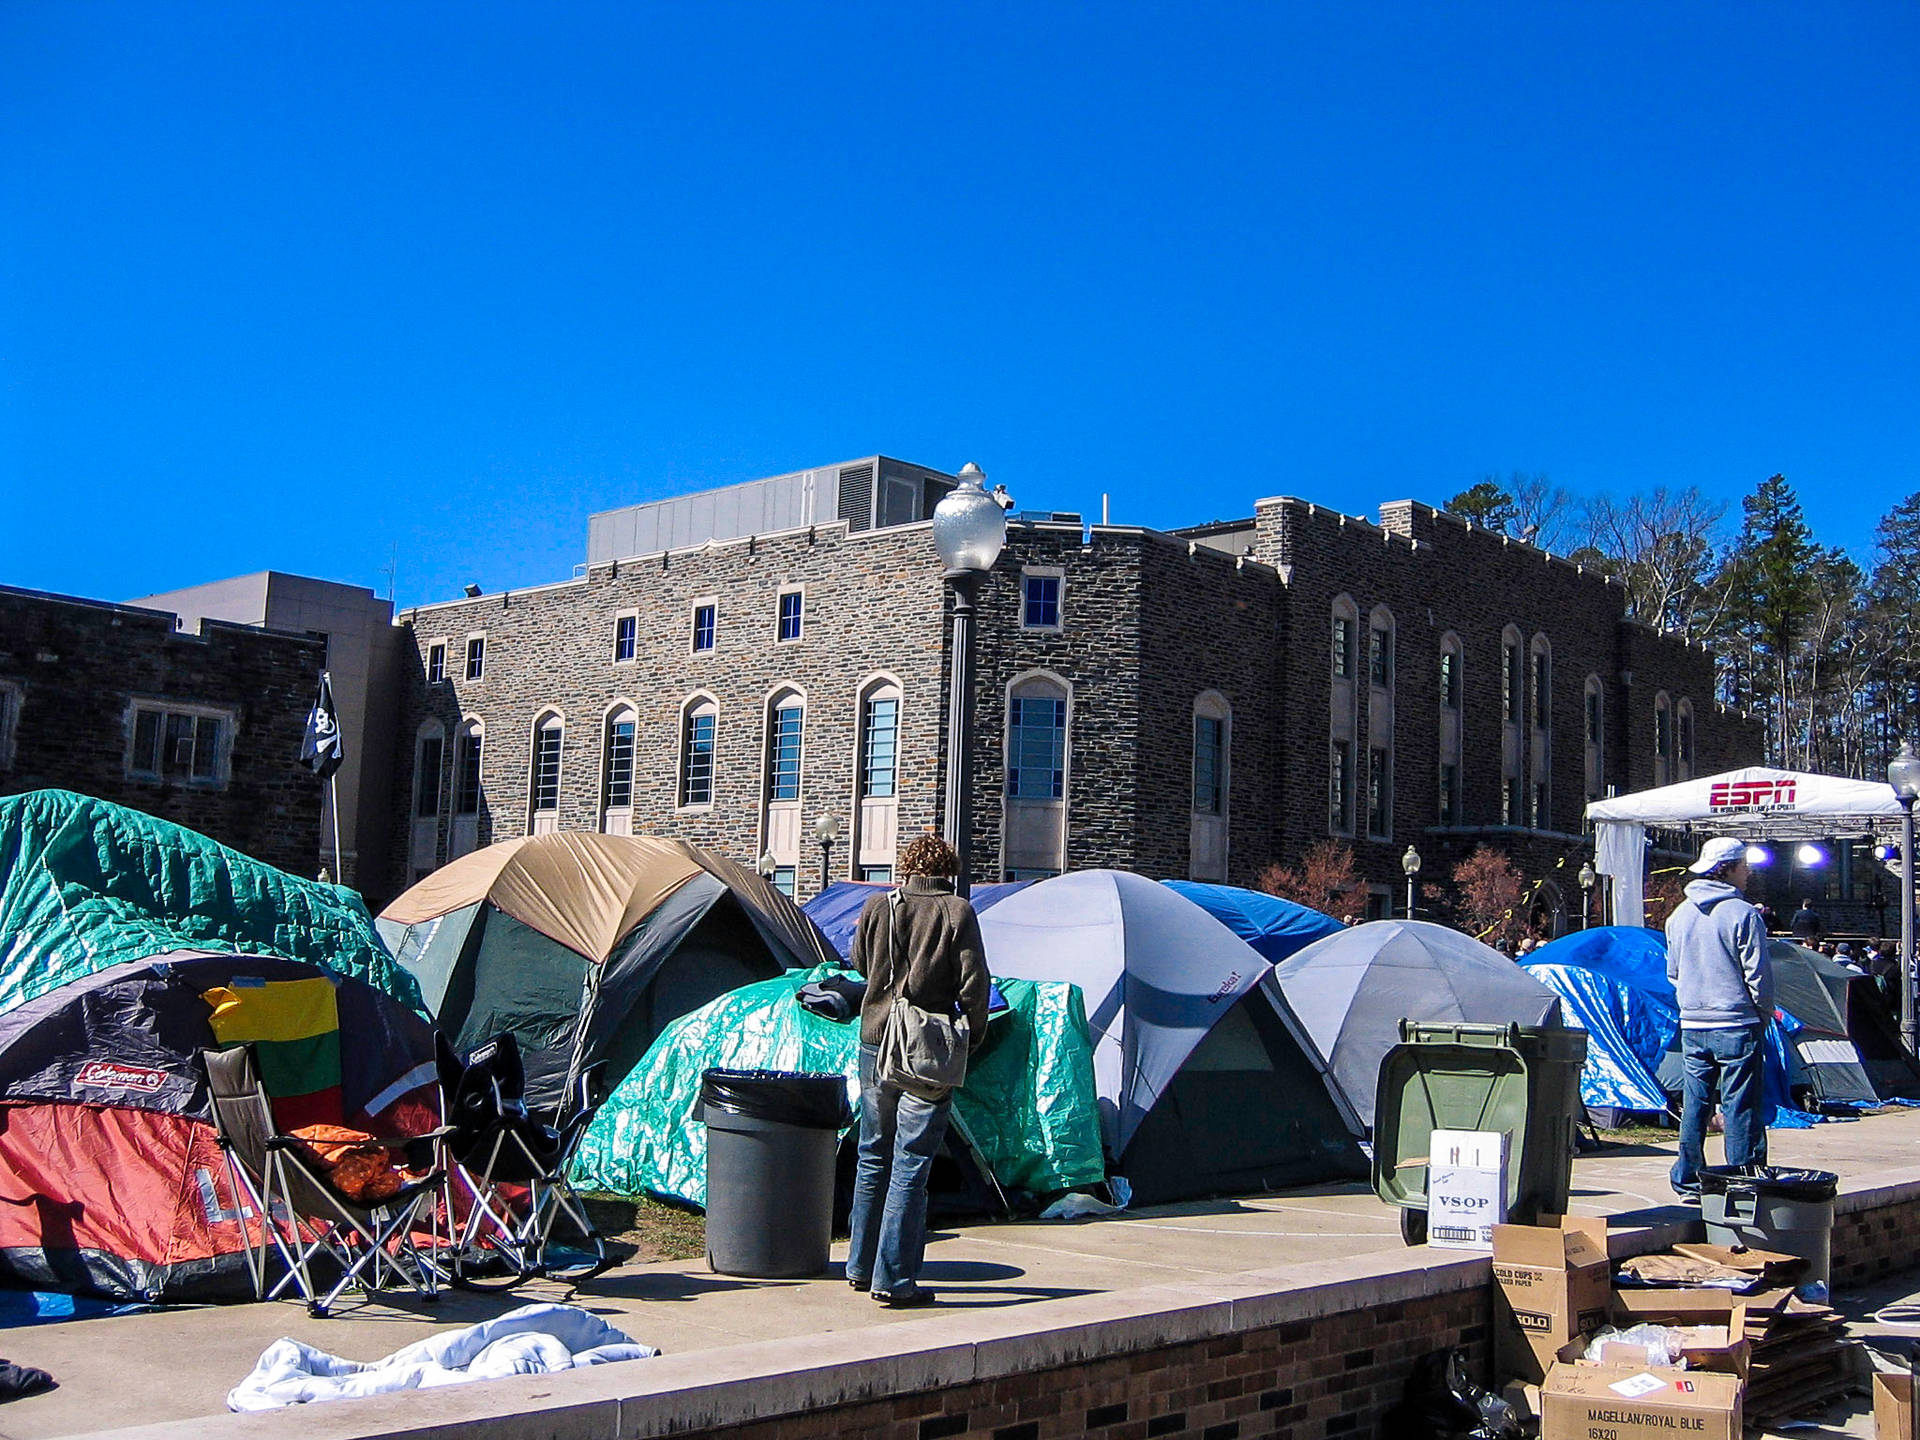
<point x="1352" y="990"/>
<point x="1207" y="1084"/>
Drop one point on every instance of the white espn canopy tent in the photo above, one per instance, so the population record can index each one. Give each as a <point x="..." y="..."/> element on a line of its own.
<point x="1757" y="804"/>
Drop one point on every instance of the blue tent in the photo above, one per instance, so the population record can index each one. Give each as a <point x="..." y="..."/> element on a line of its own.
<point x="1612" y="980"/>
<point x="1274" y="927"/>
<point x="1612" y="983"/>
<point x="836" y="909"/>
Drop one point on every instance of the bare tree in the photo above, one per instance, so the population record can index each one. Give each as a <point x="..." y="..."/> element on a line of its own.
<point x="1661" y="545"/>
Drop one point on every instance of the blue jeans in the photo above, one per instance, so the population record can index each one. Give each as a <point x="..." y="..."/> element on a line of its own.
<point x="899" y="1136"/>
<point x="1732" y="1060"/>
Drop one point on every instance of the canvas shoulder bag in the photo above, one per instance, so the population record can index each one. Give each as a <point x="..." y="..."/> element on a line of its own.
<point x="921" y="1054"/>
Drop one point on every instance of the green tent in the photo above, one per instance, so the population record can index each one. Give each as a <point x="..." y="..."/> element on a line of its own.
<point x="86" y="884"/>
<point x="1029" y="1104"/>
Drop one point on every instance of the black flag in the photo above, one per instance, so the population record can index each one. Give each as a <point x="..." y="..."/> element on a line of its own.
<point x="321" y="748"/>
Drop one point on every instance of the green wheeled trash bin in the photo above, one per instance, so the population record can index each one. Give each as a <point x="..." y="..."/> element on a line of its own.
<point x="771" y="1137"/>
<point x="1765" y="1207"/>
<point x="1520" y="1079"/>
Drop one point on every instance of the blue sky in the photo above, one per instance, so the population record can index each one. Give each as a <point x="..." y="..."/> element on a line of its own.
<point x="303" y="286"/>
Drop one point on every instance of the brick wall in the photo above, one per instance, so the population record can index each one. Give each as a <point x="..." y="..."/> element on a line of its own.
<point x="1873" y="1241"/>
<point x="78" y="666"/>
<point x="1335" y="1376"/>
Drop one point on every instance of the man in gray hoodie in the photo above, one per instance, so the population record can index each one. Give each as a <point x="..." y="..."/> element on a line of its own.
<point x="1717" y="960"/>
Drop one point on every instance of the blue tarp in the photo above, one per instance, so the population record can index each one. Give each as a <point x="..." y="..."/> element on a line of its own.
<point x="1612" y="983"/>
<point x="836" y="909"/>
<point x="1612" y="980"/>
<point x="1274" y="927"/>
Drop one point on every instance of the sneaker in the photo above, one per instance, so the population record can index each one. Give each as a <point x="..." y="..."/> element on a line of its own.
<point x="1687" y="1197"/>
<point x="906" y="1300"/>
<point x="861" y="1285"/>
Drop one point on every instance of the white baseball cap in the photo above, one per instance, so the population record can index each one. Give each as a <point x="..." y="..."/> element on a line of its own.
<point x="1717" y="852"/>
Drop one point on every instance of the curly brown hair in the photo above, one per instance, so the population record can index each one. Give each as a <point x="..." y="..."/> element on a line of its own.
<point x="929" y="855"/>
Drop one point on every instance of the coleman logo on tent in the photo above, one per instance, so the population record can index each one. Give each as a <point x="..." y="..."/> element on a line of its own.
<point x="1752" y="795"/>
<point x="110" y="1075"/>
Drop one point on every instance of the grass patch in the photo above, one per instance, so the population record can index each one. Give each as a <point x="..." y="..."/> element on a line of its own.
<point x="657" y="1231"/>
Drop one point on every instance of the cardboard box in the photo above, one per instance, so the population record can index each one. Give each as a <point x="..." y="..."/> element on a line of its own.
<point x="1722" y="1349"/>
<point x="1599" y="1402"/>
<point x="1551" y="1284"/>
<point x="1893" y="1412"/>
<point x="1686" y="1306"/>
<point x="1466" y="1188"/>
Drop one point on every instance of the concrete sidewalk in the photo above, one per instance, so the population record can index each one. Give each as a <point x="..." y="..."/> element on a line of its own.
<point x="178" y="1364"/>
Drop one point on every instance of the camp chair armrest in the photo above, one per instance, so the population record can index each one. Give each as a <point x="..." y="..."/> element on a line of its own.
<point x="285" y="1142"/>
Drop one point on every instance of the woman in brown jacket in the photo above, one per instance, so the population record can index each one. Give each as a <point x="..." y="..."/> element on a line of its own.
<point x="937" y="962"/>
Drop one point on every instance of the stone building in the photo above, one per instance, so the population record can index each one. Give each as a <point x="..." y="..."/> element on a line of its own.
<point x="361" y="650"/>
<point x="202" y="728"/>
<point x="1196" y="703"/>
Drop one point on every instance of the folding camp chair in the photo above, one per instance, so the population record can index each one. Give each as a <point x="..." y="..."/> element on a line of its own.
<point x="304" y="1218"/>
<point x="511" y="1212"/>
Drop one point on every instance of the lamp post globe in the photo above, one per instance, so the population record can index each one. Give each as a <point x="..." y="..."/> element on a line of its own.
<point x="1587" y="877"/>
<point x="1410" y="867"/>
<point x="826" y="830"/>
<point x="969" y="532"/>
<point x="766" y="865"/>
<point x="1903" y="774"/>
<point x="969" y="527"/>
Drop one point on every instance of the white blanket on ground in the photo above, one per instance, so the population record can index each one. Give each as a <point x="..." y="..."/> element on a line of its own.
<point x="533" y="1340"/>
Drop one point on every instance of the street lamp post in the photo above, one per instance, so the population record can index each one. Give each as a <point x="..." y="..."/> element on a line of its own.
<point x="826" y="830"/>
<point x="766" y="865"/>
<point x="1410" y="863"/>
<point x="969" y="531"/>
<point x="1903" y="773"/>
<point x="1587" y="877"/>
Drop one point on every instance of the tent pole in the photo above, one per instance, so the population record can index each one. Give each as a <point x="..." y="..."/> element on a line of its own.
<point x="333" y="804"/>
<point x="588" y="1004"/>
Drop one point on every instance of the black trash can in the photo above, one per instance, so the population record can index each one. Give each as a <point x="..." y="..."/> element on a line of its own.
<point x="1766" y="1207"/>
<point x="771" y="1137"/>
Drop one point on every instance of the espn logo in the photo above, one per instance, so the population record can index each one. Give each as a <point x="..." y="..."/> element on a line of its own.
<point x="1741" y="795"/>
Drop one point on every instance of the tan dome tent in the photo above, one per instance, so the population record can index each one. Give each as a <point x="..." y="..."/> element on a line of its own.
<point x="586" y="946"/>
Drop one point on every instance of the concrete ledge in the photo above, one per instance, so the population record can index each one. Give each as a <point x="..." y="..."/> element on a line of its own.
<point x="739" y="1384"/>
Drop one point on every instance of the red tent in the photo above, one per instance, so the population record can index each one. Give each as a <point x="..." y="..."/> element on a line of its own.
<point x="111" y="1180"/>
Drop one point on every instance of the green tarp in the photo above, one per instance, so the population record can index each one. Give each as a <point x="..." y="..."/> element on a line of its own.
<point x="1029" y="1101"/>
<point x="86" y="884"/>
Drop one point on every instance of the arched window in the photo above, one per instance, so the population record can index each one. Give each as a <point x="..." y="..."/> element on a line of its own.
<point x="544" y="774"/>
<point x="1346" y="624"/>
<point x="785" y="731"/>
<point x="1594" y="734"/>
<point x="429" y="768"/>
<point x="1038" y="707"/>
<point x="617" y="759"/>
<point x="699" y="722"/>
<point x="1540" y="738"/>
<point x="1662" y="739"/>
<point x="1451" y="778"/>
<point x="1212" y="786"/>
<point x="877" y="776"/>
<point x="469" y="794"/>
<point x="1343" y="715"/>
<point x="1683" y="726"/>
<point x="1212" y="717"/>
<point x="468" y="745"/>
<point x="786" y="728"/>
<point x="1037" y="742"/>
<point x="1513" y="710"/>
<point x="1380" y="668"/>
